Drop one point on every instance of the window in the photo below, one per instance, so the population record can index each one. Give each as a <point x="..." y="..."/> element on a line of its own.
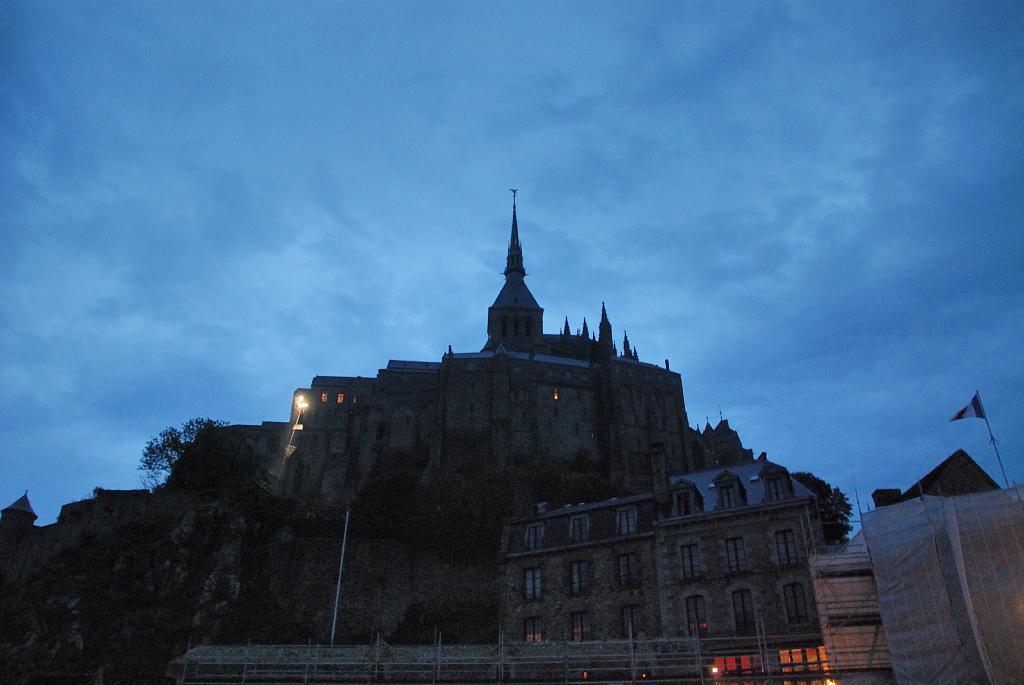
<point x="534" y="536"/>
<point x="579" y="528"/>
<point x="785" y="546"/>
<point x="629" y="570"/>
<point x="323" y="397"/>
<point x="775" y="488"/>
<point x="340" y="398"/>
<point x="743" y="611"/>
<point x="736" y="554"/>
<point x="355" y="399"/>
<point x="631" y="620"/>
<point x="531" y="583"/>
<point x="580" y="626"/>
<point x="531" y="629"/>
<point x="687" y="502"/>
<point x="796" y="603"/>
<point x="691" y="561"/>
<point x="696" y="616"/>
<point x="554" y="394"/>
<point x="626" y="521"/>
<point x="579" y="576"/>
<point x="727" y="496"/>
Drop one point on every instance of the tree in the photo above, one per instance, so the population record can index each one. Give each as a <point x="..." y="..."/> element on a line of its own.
<point x="833" y="506"/>
<point x="163" y="451"/>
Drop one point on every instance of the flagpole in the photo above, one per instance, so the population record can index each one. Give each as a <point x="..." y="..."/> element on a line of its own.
<point x="992" y="439"/>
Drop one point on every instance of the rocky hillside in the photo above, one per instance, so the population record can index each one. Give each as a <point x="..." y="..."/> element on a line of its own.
<point x="128" y="580"/>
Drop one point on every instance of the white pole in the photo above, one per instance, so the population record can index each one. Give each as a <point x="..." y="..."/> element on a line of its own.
<point x="341" y="567"/>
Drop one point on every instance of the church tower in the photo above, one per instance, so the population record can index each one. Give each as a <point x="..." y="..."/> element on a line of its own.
<point x="515" y="320"/>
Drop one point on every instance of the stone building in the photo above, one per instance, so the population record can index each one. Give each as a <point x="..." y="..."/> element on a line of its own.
<point x="526" y="396"/>
<point x="720" y="552"/>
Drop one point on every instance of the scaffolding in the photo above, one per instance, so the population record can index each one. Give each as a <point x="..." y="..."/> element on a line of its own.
<point x="760" y="658"/>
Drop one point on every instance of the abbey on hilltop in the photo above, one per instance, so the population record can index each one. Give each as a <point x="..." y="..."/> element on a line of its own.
<point x="527" y="396"/>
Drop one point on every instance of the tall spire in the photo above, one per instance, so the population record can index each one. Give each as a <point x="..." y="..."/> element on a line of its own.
<point x="604" y="334"/>
<point x="514" y="261"/>
<point x="565" y="329"/>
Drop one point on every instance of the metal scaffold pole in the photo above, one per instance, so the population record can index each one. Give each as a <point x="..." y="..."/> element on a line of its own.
<point x="341" y="567"/>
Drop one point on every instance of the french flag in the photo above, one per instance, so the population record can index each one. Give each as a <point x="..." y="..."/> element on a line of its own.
<point x="972" y="409"/>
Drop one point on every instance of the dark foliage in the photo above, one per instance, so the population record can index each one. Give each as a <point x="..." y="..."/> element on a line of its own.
<point x="217" y="458"/>
<point x="163" y="452"/>
<point x="833" y="506"/>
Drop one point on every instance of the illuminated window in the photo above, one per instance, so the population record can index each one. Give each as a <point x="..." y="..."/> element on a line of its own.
<point x="354" y="399"/>
<point x="629" y="570"/>
<point x="785" y="547"/>
<point x="554" y="395"/>
<point x="692" y="567"/>
<point x="580" y="626"/>
<point x="696" y="616"/>
<point x="579" y="576"/>
<point x="736" y="553"/>
<point x="579" y="528"/>
<point x="796" y="603"/>
<point x="531" y="583"/>
<point x="534" y="537"/>
<point x="626" y="521"/>
<point x="531" y="629"/>
<point x="323" y="397"/>
<point x="743" y="611"/>
<point x="341" y="398"/>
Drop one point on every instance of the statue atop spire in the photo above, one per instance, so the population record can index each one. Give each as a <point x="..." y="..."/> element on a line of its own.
<point x="514" y="261"/>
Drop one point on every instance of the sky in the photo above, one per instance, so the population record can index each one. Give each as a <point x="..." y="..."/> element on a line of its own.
<point x="813" y="210"/>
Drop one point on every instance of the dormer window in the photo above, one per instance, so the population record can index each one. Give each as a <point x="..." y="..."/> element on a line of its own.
<point x="776" y="487"/>
<point x="731" y="493"/>
<point x="687" y="500"/>
<point x="579" y="528"/>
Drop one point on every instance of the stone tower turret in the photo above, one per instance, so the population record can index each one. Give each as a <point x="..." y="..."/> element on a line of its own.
<point x="515" y="320"/>
<point x="17" y="519"/>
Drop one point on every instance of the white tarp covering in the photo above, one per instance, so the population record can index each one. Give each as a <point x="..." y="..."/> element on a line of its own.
<point x="950" y="576"/>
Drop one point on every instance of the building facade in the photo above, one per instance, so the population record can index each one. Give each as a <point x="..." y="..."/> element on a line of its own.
<point x="715" y="553"/>
<point x="526" y="396"/>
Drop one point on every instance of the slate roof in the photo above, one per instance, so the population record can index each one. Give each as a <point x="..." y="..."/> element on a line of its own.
<point x="515" y="294"/>
<point x="22" y="504"/>
<point x="749" y="474"/>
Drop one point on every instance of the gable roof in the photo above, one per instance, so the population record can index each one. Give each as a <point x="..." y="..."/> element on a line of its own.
<point x="929" y="479"/>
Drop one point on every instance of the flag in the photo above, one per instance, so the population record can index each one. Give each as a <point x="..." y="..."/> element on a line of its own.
<point x="972" y="409"/>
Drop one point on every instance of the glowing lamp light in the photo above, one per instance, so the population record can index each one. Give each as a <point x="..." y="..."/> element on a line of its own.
<point x="714" y="669"/>
<point x="300" y="402"/>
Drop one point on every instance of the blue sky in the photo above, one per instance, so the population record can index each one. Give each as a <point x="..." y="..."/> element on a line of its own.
<point x="814" y="210"/>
